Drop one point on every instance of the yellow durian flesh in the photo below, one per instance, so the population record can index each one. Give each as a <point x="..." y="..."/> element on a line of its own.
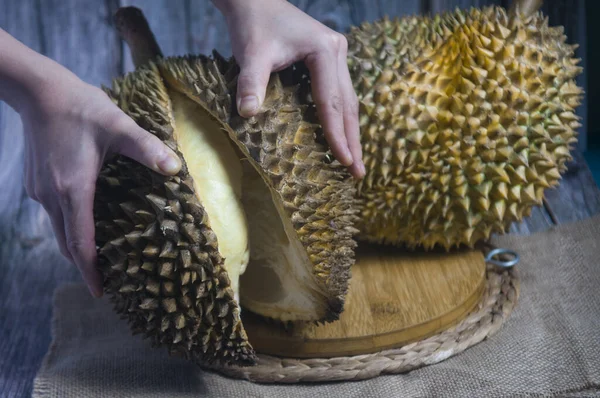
<point x="270" y="272"/>
<point x="216" y="171"/>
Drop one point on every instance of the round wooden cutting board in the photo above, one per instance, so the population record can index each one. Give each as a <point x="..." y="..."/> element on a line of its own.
<point x="394" y="299"/>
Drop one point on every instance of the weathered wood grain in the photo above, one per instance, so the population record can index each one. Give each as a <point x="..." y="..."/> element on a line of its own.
<point x="207" y="30"/>
<point x="198" y="26"/>
<point x="170" y="23"/>
<point x="335" y="14"/>
<point x="84" y="41"/>
<point x="401" y="8"/>
<point x="17" y="365"/>
<point x="539" y="220"/>
<point x="340" y="16"/>
<point x="20" y="217"/>
<point x="580" y="37"/>
<point x="577" y="197"/>
<point x="449" y="5"/>
<point x="20" y="20"/>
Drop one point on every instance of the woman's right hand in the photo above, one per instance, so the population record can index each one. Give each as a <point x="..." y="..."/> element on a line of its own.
<point x="70" y="127"/>
<point x="268" y="36"/>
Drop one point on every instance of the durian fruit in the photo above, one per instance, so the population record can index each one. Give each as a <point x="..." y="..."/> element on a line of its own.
<point x="259" y="216"/>
<point x="466" y="118"/>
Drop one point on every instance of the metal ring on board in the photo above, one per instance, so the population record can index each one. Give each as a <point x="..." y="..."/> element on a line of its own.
<point x="501" y="263"/>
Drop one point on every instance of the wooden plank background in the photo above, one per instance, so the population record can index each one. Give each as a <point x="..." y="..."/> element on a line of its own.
<point x="80" y="35"/>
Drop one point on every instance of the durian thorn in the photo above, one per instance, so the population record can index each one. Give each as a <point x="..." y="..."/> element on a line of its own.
<point x="135" y="30"/>
<point x="525" y="8"/>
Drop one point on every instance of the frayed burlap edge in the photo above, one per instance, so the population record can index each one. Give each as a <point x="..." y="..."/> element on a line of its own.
<point x="497" y="303"/>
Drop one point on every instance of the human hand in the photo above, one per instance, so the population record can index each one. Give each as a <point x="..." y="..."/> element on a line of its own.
<point x="270" y="35"/>
<point x="70" y="127"/>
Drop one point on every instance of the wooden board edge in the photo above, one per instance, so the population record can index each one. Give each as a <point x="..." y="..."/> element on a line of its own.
<point x="327" y="348"/>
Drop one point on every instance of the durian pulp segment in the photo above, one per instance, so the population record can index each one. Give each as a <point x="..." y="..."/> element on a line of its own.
<point x="278" y="282"/>
<point x="217" y="173"/>
<point x="269" y="269"/>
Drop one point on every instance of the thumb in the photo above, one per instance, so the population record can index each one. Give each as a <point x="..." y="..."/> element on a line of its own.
<point x="252" y="83"/>
<point x="138" y="144"/>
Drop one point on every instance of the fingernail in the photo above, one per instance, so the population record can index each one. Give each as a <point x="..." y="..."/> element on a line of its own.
<point x="170" y="164"/>
<point x="347" y="158"/>
<point x="357" y="170"/>
<point x="248" y="105"/>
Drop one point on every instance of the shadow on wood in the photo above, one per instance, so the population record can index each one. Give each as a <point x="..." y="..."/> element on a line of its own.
<point x="395" y="298"/>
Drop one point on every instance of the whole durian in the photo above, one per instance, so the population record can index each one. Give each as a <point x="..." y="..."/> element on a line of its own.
<point x="259" y="214"/>
<point x="466" y="118"/>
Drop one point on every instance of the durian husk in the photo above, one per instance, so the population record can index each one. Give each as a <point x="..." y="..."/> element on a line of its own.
<point x="160" y="257"/>
<point x="466" y="118"/>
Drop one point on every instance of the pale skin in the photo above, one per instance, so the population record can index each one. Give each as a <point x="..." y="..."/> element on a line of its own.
<point x="70" y="127"/>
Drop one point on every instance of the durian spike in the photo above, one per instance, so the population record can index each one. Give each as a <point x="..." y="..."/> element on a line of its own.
<point x="525" y="7"/>
<point x="135" y="30"/>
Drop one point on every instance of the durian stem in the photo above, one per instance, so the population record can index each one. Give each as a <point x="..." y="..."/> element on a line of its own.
<point x="135" y="30"/>
<point x="525" y="8"/>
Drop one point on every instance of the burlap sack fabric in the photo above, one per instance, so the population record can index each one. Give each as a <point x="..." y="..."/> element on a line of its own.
<point x="550" y="345"/>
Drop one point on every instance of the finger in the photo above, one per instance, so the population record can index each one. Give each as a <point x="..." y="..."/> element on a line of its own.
<point x="351" y="125"/>
<point x="329" y="102"/>
<point x="138" y="144"/>
<point x="255" y="71"/>
<point x="77" y="205"/>
<point x="58" y="225"/>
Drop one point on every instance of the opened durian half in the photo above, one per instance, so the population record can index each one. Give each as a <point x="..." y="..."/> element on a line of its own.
<point x="466" y="118"/>
<point x="259" y="215"/>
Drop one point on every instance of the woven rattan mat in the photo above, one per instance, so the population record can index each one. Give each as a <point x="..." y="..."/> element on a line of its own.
<point x="498" y="301"/>
<point x="547" y="346"/>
